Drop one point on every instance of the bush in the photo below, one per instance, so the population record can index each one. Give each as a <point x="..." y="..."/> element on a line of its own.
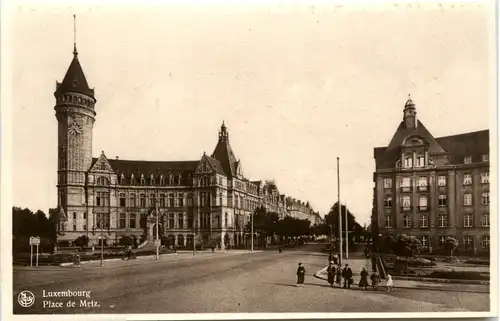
<point x="459" y="275"/>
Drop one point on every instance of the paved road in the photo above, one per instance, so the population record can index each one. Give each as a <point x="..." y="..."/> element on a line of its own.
<point x="225" y="282"/>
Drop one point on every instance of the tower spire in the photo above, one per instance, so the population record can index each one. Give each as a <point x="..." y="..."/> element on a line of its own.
<point x="75" y="52"/>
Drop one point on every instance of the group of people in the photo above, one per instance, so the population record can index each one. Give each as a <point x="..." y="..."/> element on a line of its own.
<point x="336" y="274"/>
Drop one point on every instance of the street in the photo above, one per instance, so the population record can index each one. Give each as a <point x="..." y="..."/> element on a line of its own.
<point x="222" y="282"/>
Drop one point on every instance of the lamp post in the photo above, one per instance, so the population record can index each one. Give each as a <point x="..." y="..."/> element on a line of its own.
<point x="157" y="231"/>
<point x="346" y="234"/>
<point x="101" y="219"/>
<point x="251" y="218"/>
<point x="340" y="211"/>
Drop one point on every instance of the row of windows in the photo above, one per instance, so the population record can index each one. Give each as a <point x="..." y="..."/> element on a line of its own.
<point x="406" y="200"/>
<point x="172" y="200"/>
<point x="406" y="182"/>
<point x="442" y="221"/>
<point x="467" y="241"/>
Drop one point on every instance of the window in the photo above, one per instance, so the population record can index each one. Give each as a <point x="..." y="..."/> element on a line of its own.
<point x="485" y="157"/>
<point x="122" y="179"/>
<point x="152" y="200"/>
<point x="84" y="215"/>
<point x="442" y="200"/>
<point x="408" y="163"/>
<point x="387" y="183"/>
<point x="132" y="180"/>
<point x="180" y="200"/>
<point x="176" y="180"/>
<point x="420" y="161"/>
<point x="422" y="203"/>
<point x="467" y="199"/>
<point x="405" y="182"/>
<point x="171" y="220"/>
<point x="468" y="179"/>
<point x="424" y="221"/>
<point x="425" y="241"/>
<point x="406" y="202"/>
<point x="84" y="227"/>
<point x="143" y="181"/>
<point x="162" y="200"/>
<point x="486" y="220"/>
<point x="122" y="220"/>
<point x="190" y="221"/>
<point x="468" y="220"/>
<point x="132" y="221"/>
<point x="171" y="200"/>
<point x="485" y="198"/>
<point x="74" y="215"/>
<point x="162" y="180"/>
<point x="443" y="220"/>
<point x="102" y="199"/>
<point x="220" y="199"/>
<point x="388" y="221"/>
<point x="180" y="179"/>
<point x="388" y="201"/>
<point x="102" y="181"/>
<point x="170" y="180"/>
<point x="467" y="241"/>
<point x="122" y="200"/>
<point x="442" y="240"/>
<point x="226" y="220"/>
<point x="467" y="160"/>
<point x="220" y="180"/>
<point x="485" y="178"/>
<point x="190" y="200"/>
<point x="442" y="180"/>
<point x="143" y="200"/>
<point x="407" y="221"/>
<point x="132" y="200"/>
<point x="152" y="180"/>
<point x="74" y="227"/>
<point x="102" y="220"/>
<point x="485" y="242"/>
<point x="422" y="181"/>
<point x="204" y="181"/>
<point x="181" y="220"/>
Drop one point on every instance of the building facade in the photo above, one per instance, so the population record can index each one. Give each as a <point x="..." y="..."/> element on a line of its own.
<point x="207" y="201"/>
<point x="433" y="187"/>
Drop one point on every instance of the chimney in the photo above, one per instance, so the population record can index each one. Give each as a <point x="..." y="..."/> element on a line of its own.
<point x="117" y="158"/>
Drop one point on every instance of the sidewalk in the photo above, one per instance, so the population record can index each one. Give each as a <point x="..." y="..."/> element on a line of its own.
<point x="438" y="284"/>
<point x="180" y="255"/>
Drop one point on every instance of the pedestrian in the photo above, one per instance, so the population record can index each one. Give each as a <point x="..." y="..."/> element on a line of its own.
<point x="347" y="274"/>
<point x="367" y="252"/>
<point x="389" y="283"/>
<point x="338" y="278"/>
<point x="331" y="273"/>
<point x="375" y="278"/>
<point x="336" y="258"/>
<point x="301" y="273"/>
<point x="77" y="260"/>
<point x="363" y="282"/>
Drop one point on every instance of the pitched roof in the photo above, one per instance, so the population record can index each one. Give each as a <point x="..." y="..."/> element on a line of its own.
<point x="74" y="80"/>
<point x="402" y="132"/>
<point x="225" y="155"/>
<point x="138" y="167"/>
<point x="216" y="164"/>
<point x="474" y="144"/>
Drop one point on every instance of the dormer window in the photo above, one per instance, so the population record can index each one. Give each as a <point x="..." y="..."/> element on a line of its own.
<point x="467" y="160"/>
<point x="408" y="162"/>
<point x="122" y="179"/>
<point x="152" y="180"/>
<point x="143" y="181"/>
<point x="162" y="180"/>
<point x="485" y="157"/>
<point x="420" y="161"/>
<point x="102" y="181"/>
<point x="180" y="179"/>
<point x="132" y="180"/>
<point x="170" y="180"/>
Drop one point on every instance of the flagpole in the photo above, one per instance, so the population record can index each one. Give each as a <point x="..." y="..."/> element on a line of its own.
<point x="340" y="210"/>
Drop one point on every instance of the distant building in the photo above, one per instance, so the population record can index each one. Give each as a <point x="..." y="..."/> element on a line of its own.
<point x="433" y="187"/>
<point x="207" y="201"/>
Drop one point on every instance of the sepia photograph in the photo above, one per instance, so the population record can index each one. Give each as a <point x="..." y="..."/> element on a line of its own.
<point x="235" y="159"/>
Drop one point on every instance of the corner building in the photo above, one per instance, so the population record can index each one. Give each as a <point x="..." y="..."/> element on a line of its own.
<point x="433" y="187"/>
<point x="207" y="201"/>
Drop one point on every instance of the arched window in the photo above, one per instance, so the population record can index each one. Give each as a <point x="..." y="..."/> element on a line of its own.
<point x="122" y="179"/>
<point x="152" y="180"/>
<point x="143" y="200"/>
<point x="162" y="180"/>
<point x="143" y="181"/>
<point x="102" y="181"/>
<point x="122" y="200"/>
<point x="132" y="179"/>
<point x="132" y="200"/>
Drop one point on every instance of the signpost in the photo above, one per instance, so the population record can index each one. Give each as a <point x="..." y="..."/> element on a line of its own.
<point x="34" y="240"/>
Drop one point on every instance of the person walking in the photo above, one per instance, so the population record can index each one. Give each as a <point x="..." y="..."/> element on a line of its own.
<point x="389" y="283"/>
<point x="347" y="274"/>
<point x="331" y="273"/>
<point x="336" y="258"/>
<point x="375" y="278"/>
<point x="338" y="278"/>
<point x="301" y="273"/>
<point x="363" y="282"/>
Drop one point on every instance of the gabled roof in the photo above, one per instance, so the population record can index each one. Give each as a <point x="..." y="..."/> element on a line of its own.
<point x="474" y="144"/>
<point x="402" y="132"/>
<point x="74" y="80"/>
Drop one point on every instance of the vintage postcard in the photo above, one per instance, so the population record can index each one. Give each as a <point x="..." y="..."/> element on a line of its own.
<point x="243" y="160"/>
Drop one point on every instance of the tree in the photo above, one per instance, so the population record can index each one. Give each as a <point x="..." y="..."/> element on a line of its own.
<point x="451" y="244"/>
<point x="25" y="223"/>
<point x="332" y="219"/>
<point x="404" y="246"/>
<point x="265" y="224"/>
<point x="81" y="241"/>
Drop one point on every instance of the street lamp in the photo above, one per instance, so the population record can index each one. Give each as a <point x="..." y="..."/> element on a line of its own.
<point x="101" y="219"/>
<point x="251" y="218"/>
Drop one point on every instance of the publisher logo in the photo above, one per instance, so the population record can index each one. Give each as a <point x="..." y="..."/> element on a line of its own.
<point x="26" y="299"/>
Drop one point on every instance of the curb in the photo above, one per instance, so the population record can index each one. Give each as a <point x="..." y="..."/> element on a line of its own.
<point x="436" y="280"/>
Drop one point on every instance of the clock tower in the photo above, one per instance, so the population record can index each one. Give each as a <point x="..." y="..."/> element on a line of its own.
<point x="75" y="115"/>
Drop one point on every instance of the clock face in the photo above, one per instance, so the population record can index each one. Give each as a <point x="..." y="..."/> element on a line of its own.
<point x="74" y="127"/>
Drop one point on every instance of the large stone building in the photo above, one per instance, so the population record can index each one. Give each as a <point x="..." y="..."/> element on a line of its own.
<point x="208" y="200"/>
<point x="433" y="187"/>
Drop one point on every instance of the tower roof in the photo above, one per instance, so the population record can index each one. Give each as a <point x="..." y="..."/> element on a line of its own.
<point x="409" y="103"/>
<point x="224" y="153"/>
<point x="74" y="80"/>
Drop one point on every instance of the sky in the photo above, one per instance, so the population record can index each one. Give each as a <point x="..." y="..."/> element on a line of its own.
<point x="297" y="86"/>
